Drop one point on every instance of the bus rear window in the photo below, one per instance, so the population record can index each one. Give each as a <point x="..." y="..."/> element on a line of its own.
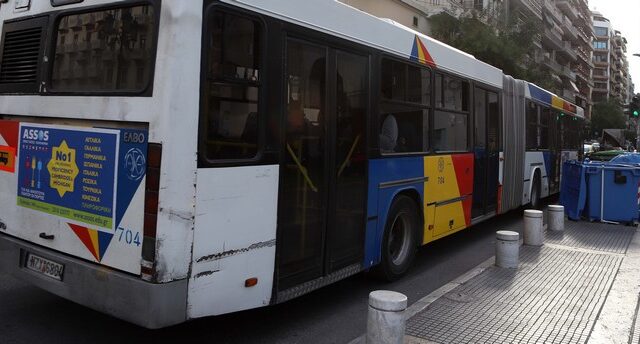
<point x="109" y="50"/>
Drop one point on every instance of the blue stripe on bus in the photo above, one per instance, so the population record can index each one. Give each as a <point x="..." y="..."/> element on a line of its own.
<point x="539" y="94"/>
<point x="379" y="199"/>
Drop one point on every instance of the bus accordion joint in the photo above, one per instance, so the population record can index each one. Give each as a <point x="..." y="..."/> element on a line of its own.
<point x="152" y="188"/>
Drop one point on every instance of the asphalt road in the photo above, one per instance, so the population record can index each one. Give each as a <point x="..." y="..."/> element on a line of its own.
<point x="334" y="314"/>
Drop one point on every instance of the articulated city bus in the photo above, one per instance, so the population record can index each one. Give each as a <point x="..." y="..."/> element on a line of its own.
<point x="170" y="160"/>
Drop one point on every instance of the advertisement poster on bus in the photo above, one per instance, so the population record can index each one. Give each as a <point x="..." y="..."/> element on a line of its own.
<point x="69" y="173"/>
<point x="87" y="185"/>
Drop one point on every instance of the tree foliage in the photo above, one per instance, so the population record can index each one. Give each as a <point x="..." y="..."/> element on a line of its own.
<point x="508" y="45"/>
<point x="607" y="115"/>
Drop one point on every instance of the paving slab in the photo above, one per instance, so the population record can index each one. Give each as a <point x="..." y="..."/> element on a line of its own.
<point x="559" y="294"/>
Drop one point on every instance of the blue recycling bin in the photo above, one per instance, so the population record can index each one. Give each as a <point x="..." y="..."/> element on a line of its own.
<point x="573" y="190"/>
<point x="612" y="192"/>
<point x="627" y="159"/>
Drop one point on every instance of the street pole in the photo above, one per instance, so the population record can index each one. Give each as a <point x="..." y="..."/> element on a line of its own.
<point x="637" y="134"/>
<point x="637" y="125"/>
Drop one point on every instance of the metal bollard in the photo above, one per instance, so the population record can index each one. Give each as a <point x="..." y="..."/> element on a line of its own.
<point x="507" y="249"/>
<point x="556" y="217"/>
<point x="386" y="318"/>
<point x="533" y="235"/>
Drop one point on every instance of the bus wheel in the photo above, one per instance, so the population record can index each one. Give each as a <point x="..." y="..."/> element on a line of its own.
<point x="399" y="243"/>
<point x="534" y="203"/>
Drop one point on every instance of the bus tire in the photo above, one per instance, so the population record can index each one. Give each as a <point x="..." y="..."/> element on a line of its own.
<point x="534" y="201"/>
<point x="400" y="239"/>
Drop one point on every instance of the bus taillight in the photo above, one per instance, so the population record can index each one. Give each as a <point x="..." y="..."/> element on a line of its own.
<point x="154" y="157"/>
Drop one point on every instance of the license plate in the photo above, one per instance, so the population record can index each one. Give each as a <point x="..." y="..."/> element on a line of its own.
<point x="45" y="266"/>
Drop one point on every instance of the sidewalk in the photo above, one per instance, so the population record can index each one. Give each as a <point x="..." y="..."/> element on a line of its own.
<point x="582" y="286"/>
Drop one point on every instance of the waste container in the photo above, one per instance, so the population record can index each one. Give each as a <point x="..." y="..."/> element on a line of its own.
<point x="573" y="191"/>
<point x="612" y="192"/>
<point x="627" y="159"/>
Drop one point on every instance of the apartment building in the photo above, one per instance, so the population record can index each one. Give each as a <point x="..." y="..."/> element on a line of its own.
<point x="406" y="12"/>
<point x="564" y="46"/>
<point x="611" y="72"/>
<point x="584" y="66"/>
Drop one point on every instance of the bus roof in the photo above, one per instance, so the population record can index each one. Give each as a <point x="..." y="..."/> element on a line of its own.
<point x="543" y="96"/>
<point x="340" y="20"/>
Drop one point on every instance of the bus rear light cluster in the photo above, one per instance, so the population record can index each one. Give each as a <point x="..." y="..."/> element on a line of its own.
<point x="152" y="188"/>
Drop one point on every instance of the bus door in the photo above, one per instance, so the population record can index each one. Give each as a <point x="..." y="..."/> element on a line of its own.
<point x="323" y="186"/>
<point x="486" y="151"/>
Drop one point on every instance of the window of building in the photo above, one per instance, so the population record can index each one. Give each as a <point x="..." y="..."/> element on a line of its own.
<point x="230" y="110"/>
<point x="601" y="31"/>
<point x="415" y="21"/>
<point x="600" y="58"/>
<point x="109" y="53"/>
<point x="600" y="45"/>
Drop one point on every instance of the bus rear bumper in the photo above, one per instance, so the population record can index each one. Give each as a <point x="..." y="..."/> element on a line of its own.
<point x="108" y="291"/>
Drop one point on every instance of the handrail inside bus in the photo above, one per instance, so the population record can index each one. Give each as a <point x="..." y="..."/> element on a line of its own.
<point x="303" y="170"/>
<point x="346" y="160"/>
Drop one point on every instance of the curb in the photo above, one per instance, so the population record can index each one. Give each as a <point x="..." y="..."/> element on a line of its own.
<point x="424" y="302"/>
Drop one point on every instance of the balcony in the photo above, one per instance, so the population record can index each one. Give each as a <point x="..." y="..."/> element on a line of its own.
<point x="585" y="38"/>
<point x="569" y="95"/>
<point x="570" y="31"/>
<point x="584" y="76"/>
<point x="601" y="76"/>
<point x="618" y="51"/>
<point x="566" y="72"/>
<point x="599" y="62"/>
<point x="569" y="52"/>
<point x="531" y="6"/>
<point x="600" y="50"/>
<point x="584" y="99"/>
<point x="615" y="67"/>
<point x="568" y="8"/>
<point x="552" y="39"/>
<point x="553" y="65"/>
<point x="551" y="11"/>
<point x="583" y="55"/>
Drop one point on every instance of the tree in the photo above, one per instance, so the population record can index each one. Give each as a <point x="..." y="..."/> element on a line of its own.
<point x="607" y="115"/>
<point x="508" y="46"/>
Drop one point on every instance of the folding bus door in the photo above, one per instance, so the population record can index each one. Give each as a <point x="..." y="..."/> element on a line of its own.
<point x="323" y="185"/>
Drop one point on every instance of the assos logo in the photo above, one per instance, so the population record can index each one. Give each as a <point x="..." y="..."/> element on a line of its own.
<point x="35" y="134"/>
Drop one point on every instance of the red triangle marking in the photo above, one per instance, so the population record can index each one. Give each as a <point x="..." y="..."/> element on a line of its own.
<point x="9" y="130"/>
<point x="427" y="57"/>
<point x="83" y="235"/>
<point x="463" y="167"/>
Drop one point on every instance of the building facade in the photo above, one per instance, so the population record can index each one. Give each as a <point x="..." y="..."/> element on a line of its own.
<point x="564" y="46"/>
<point x="611" y="74"/>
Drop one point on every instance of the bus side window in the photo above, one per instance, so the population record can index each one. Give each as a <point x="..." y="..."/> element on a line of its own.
<point x="231" y="116"/>
<point x="532" y="126"/>
<point x="451" y="118"/>
<point x="404" y="107"/>
<point x="545" y="117"/>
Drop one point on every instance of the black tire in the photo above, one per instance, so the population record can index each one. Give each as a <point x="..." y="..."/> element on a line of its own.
<point x="400" y="239"/>
<point x="534" y="200"/>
